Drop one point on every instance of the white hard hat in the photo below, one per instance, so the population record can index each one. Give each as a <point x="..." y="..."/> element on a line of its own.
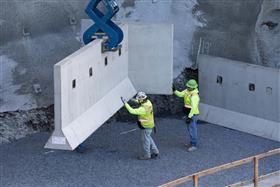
<point x="141" y="96"/>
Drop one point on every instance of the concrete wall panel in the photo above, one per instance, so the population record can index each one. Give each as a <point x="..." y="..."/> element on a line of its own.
<point x="240" y="121"/>
<point x="83" y="102"/>
<point x="151" y="57"/>
<point x="241" y="96"/>
<point x="233" y="93"/>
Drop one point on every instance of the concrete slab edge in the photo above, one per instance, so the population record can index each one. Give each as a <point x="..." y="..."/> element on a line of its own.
<point x="239" y="121"/>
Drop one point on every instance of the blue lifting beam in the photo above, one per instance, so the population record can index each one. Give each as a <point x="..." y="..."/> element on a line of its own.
<point x="103" y="25"/>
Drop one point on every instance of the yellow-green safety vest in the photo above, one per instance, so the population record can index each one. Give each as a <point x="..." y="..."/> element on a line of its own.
<point x="147" y="120"/>
<point x="191" y="100"/>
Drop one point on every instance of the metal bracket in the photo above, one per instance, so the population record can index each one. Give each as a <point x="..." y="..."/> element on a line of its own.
<point x="103" y="25"/>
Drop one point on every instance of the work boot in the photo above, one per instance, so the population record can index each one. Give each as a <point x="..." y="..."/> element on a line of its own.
<point x="143" y="158"/>
<point x="81" y="148"/>
<point x="154" y="155"/>
<point x="192" y="148"/>
<point x="187" y="145"/>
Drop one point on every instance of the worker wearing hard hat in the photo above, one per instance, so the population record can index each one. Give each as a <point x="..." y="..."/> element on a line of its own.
<point x="191" y="102"/>
<point x="146" y="124"/>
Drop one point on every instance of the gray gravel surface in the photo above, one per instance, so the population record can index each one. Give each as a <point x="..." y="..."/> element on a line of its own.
<point x="111" y="157"/>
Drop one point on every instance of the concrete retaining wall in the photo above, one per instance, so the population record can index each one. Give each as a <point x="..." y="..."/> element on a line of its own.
<point x="250" y="93"/>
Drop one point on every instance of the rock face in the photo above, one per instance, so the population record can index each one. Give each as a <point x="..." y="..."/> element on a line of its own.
<point x="267" y="34"/>
<point x="229" y="29"/>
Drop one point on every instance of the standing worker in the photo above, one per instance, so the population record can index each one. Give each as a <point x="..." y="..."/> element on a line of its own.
<point x="146" y="124"/>
<point x="191" y="102"/>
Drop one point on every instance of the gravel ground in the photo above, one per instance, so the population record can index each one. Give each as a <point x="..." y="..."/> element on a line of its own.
<point x="111" y="157"/>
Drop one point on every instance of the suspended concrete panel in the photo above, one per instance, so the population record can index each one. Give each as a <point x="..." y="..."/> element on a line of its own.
<point x="151" y="57"/>
<point x="240" y="96"/>
<point x="88" y="85"/>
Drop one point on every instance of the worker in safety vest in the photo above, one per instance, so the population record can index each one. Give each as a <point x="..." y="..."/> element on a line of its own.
<point x="146" y="124"/>
<point x="191" y="102"/>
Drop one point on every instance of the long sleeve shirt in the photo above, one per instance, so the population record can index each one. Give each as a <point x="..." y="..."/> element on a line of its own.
<point x="191" y="100"/>
<point x="135" y="111"/>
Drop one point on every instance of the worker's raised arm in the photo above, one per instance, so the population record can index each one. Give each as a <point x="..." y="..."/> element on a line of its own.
<point x="135" y="111"/>
<point x="180" y="94"/>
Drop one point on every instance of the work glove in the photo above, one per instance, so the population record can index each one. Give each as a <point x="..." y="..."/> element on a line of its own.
<point x="188" y="120"/>
<point x="135" y="101"/>
<point x="123" y="100"/>
<point x="173" y="88"/>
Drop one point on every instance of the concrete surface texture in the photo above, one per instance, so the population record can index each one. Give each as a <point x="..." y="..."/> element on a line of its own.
<point x="241" y="87"/>
<point x="54" y="31"/>
<point x="150" y="57"/>
<point x="111" y="158"/>
<point x="240" y="121"/>
<point x="241" y="96"/>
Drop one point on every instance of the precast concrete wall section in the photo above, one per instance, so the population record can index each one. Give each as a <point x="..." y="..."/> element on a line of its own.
<point x="150" y="66"/>
<point x="241" y="96"/>
<point x="88" y="87"/>
<point x="88" y="84"/>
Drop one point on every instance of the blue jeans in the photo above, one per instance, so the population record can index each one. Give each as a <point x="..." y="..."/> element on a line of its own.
<point x="192" y="130"/>
<point x="148" y="142"/>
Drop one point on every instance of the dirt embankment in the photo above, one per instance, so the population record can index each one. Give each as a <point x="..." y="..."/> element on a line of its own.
<point x="18" y="124"/>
